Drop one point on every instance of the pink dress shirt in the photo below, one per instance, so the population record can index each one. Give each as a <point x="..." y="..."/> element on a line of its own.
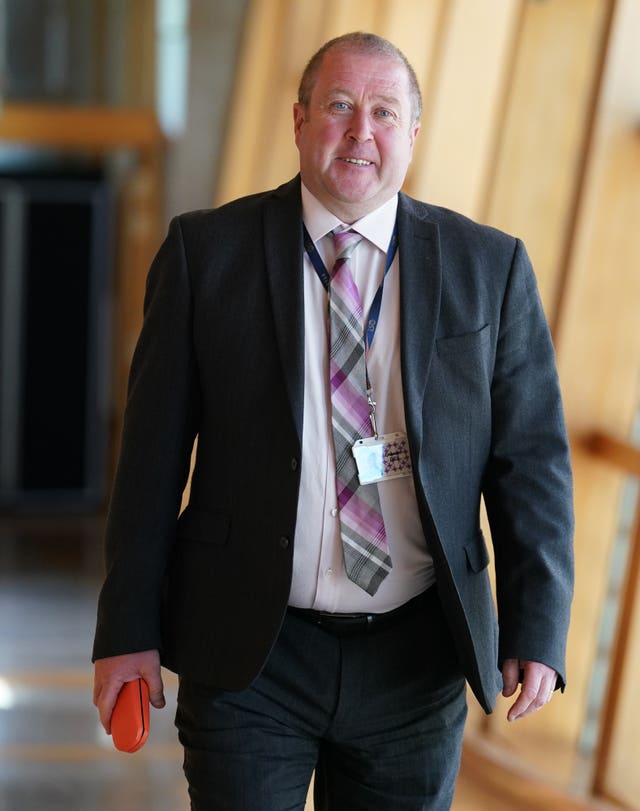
<point x="319" y="580"/>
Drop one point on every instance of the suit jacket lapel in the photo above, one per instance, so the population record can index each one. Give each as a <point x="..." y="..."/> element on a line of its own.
<point x="283" y="252"/>
<point x="420" y="290"/>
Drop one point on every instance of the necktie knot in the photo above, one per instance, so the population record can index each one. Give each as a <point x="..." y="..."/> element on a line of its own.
<point x="345" y="243"/>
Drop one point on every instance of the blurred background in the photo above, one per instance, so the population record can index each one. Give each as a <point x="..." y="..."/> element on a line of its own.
<point x="117" y="114"/>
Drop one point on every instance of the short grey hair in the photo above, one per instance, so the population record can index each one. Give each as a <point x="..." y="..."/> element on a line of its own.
<point x="360" y="42"/>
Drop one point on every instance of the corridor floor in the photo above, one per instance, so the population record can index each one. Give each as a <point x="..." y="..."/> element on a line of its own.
<point x="54" y="755"/>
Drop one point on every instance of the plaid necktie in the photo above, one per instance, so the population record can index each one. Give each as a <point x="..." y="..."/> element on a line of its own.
<point x="364" y="540"/>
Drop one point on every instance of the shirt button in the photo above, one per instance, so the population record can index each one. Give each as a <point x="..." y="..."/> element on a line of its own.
<point x="284" y="542"/>
<point x="294" y="464"/>
<point x="334" y="512"/>
<point x="329" y="572"/>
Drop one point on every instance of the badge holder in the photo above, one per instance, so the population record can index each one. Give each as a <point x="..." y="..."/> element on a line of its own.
<point x="381" y="458"/>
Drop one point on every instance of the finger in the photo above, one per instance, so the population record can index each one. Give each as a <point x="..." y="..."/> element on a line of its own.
<point x="529" y="693"/>
<point x="535" y="693"/>
<point x="510" y="672"/>
<point x="156" y="688"/>
<point x="106" y="703"/>
<point x="525" y="704"/>
<point x="550" y="686"/>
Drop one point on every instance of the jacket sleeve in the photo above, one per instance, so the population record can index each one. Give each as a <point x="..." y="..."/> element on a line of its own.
<point x="160" y="425"/>
<point x="528" y="485"/>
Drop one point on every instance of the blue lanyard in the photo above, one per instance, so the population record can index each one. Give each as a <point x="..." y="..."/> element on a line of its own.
<point x="325" y="278"/>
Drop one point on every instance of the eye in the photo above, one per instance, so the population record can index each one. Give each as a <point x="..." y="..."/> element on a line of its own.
<point x="384" y="113"/>
<point x="340" y="106"/>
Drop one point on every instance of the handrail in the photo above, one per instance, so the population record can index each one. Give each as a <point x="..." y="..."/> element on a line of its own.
<point x="624" y="457"/>
<point x="619" y="453"/>
<point x="69" y="127"/>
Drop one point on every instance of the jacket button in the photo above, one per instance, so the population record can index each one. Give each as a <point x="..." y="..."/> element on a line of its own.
<point x="294" y="464"/>
<point x="284" y="542"/>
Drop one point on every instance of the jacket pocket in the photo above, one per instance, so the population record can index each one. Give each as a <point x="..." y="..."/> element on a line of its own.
<point x="203" y="526"/>
<point x="464" y="343"/>
<point x="477" y="553"/>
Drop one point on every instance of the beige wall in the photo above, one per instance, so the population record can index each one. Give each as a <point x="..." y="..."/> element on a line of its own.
<point x="531" y="124"/>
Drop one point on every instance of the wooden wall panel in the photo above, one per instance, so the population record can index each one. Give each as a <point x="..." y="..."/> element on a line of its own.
<point x="599" y="339"/>
<point x="249" y="142"/>
<point x="415" y="25"/>
<point x="539" y="166"/>
<point x="538" y="155"/>
<point x="598" y="343"/>
<point x="622" y="776"/>
<point x="456" y="145"/>
<point x="599" y="354"/>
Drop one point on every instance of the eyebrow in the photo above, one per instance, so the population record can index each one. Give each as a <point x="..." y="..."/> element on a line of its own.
<point x="336" y="91"/>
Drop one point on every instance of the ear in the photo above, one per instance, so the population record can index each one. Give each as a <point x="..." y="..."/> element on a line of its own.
<point x="299" y="117"/>
<point x="413" y="134"/>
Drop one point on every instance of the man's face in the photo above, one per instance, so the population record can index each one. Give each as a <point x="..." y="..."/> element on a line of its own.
<point x="356" y="135"/>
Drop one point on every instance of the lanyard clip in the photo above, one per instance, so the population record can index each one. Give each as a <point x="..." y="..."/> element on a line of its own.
<point x="372" y="413"/>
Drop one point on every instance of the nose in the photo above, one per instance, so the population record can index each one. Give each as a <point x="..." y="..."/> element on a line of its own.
<point x="360" y="126"/>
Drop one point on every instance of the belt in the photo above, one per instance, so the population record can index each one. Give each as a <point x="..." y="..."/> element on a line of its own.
<point x="351" y="624"/>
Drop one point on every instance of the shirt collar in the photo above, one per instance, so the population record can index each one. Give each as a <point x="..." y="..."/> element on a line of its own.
<point x="377" y="226"/>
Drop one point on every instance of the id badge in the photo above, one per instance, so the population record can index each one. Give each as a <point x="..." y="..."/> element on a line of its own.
<point x="382" y="458"/>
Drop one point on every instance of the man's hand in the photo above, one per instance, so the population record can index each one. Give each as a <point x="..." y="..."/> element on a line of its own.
<point x="111" y="673"/>
<point x="538" y="684"/>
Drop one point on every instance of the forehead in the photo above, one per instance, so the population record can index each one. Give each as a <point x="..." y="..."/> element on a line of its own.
<point x="361" y="73"/>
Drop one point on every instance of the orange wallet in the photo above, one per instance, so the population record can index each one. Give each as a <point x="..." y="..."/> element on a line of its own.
<point x="130" y="719"/>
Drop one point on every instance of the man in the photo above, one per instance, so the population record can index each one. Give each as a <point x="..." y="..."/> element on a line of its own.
<point x="325" y="593"/>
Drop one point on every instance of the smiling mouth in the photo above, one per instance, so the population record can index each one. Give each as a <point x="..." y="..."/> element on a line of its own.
<point x="357" y="161"/>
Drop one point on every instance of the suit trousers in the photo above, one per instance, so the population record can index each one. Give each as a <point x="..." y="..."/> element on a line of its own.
<point x="379" y="716"/>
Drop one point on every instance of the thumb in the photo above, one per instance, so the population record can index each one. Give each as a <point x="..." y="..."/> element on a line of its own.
<point x="152" y="674"/>
<point x="510" y="676"/>
<point x="156" y="689"/>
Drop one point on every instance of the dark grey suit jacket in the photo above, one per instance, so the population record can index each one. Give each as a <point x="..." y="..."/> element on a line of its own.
<point x="221" y="356"/>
